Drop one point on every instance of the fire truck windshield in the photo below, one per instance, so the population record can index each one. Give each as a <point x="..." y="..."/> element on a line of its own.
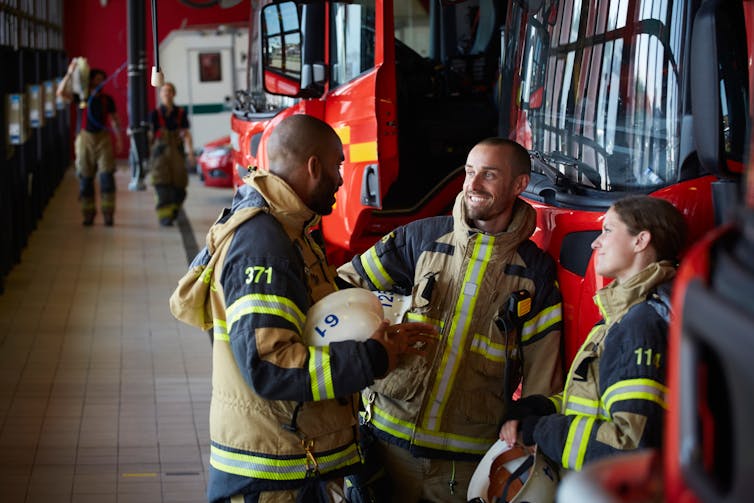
<point x="596" y="88"/>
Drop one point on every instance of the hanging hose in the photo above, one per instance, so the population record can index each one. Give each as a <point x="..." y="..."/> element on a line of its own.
<point x="157" y="77"/>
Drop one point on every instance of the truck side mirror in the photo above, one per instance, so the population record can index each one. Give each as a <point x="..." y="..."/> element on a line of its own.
<point x="293" y="49"/>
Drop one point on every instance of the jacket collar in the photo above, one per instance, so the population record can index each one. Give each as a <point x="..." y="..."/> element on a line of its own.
<point x="616" y="299"/>
<point x="520" y="229"/>
<point x="284" y="204"/>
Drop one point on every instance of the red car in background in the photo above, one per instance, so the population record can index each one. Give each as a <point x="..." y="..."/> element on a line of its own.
<point x="216" y="163"/>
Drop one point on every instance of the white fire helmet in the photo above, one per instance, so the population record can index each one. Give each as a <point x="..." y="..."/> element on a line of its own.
<point x="537" y="481"/>
<point x="80" y="78"/>
<point x="349" y="314"/>
<point x="394" y="305"/>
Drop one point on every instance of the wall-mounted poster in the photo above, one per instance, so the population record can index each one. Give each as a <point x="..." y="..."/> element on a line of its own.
<point x="210" y="67"/>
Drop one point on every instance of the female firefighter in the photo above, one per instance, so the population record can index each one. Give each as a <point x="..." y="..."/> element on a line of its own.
<point x="614" y="396"/>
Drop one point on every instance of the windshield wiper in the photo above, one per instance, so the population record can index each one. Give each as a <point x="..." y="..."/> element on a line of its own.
<point x="541" y="163"/>
<point x="547" y="163"/>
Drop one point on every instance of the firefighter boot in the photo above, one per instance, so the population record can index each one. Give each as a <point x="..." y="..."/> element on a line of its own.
<point x="107" y="197"/>
<point x="86" y="196"/>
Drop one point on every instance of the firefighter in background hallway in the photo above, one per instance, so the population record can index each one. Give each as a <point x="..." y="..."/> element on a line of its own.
<point x="614" y="398"/>
<point x="93" y="146"/>
<point x="171" y="140"/>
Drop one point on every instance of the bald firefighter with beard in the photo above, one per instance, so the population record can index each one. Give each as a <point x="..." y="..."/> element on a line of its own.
<point x="283" y="415"/>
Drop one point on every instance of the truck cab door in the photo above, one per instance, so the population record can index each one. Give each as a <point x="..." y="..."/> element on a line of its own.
<point x="338" y="57"/>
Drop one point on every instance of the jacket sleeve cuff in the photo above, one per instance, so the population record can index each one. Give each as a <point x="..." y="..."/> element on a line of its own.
<point x="377" y="357"/>
<point x="527" y="427"/>
<point x="532" y="405"/>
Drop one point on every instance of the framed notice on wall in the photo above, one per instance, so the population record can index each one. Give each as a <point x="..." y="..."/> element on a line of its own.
<point x="210" y="67"/>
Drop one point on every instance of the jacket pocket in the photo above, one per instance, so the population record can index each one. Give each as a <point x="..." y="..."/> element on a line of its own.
<point x="407" y="381"/>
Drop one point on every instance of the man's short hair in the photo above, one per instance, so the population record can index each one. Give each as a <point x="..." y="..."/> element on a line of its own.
<point x="520" y="161"/>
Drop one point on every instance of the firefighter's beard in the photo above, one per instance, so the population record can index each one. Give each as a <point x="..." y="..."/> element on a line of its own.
<point x="324" y="199"/>
<point x="481" y="209"/>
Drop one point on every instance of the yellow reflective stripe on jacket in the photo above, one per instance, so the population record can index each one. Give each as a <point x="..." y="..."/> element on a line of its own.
<point x="577" y="441"/>
<point x="438" y="324"/>
<point x="577" y="405"/>
<point x="391" y="424"/>
<point x="220" y="330"/>
<point x="601" y="307"/>
<point x="459" y="328"/>
<point x="491" y="350"/>
<point x="376" y="272"/>
<point x="542" y="321"/>
<point x="407" y="431"/>
<point x="635" y="389"/>
<point x="289" y="468"/>
<point x="257" y="303"/>
<point x="557" y="401"/>
<point x="320" y="373"/>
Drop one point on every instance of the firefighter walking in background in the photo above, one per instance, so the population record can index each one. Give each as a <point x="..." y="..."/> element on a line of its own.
<point x="171" y="144"/>
<point x="93" y="146"/>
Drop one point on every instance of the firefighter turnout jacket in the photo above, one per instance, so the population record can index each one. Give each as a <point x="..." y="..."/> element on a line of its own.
<point x="614" y="397"/>
<point x="280" y="410"/>
<point x="459" y="278"/>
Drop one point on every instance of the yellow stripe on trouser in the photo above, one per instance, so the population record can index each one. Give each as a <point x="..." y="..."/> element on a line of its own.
<point x="107" y="201"/>
<point x="166" y="211"/>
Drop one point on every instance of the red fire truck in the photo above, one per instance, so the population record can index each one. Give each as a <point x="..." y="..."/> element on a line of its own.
<point x="601" y="92"/>
<point x="611" y="97"/>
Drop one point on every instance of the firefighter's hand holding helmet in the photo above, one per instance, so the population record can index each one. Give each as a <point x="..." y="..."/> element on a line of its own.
<point x="404" y="338"/>
<point x="522" y="418"/>
<point x="357" y="314"/>
<point x="519" y="432"/>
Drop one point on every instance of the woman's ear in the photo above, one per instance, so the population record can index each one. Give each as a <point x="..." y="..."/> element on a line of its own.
<point x="642" y="241"/>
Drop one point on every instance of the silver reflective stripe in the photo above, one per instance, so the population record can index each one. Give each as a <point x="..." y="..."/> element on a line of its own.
<point x="220" y="330"/>
<point x="459" y="328"/>
<point x="320" y="373"/>
<point x="454" y="443"/>
<point x="424" y="438"/>
<point x="582" y="409"/>
<point x="578" y="438"/>
<point x="265" y="304"/>
<point x="376" y="273"/>
<point x="293" y="468"/>
<point x="484" y="346"/>
<point x="544" y="320"/>
<point x="633" y="389"/>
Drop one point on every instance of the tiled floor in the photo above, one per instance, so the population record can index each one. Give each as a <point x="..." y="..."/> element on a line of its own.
<point x="103" y="395"/>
